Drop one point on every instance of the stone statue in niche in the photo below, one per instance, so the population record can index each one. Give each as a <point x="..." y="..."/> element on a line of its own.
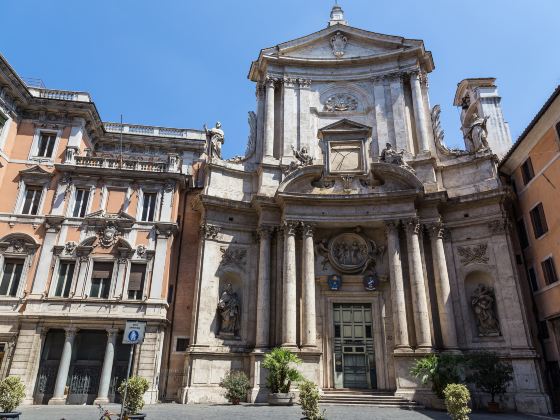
<point x="228" y="309"/>
<point x="483" y="305"/>
<point x="476" y="134"/>
<point x="215" y="138"/>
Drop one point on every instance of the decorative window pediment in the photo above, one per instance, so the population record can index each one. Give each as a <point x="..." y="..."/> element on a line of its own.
<point x="35" y="175"/>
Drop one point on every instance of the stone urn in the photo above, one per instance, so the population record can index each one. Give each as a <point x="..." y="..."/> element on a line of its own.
<point x="12" y="415"/>
<point x="281" y="398"/>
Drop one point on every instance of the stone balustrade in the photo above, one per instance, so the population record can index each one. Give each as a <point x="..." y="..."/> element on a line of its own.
<point x="126" y="164"/>
<point x="148" y="130"/>
<point x="64" y="95"/>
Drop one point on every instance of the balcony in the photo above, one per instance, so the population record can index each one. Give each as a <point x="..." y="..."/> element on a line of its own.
<point x="547" y="299"/>
<point x="126" y="163"/>
<point x="63" y="95"/>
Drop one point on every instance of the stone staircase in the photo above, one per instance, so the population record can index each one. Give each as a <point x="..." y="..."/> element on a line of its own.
<point x="367" y="398"/>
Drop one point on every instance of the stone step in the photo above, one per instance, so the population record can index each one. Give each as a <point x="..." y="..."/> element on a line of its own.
<point x="365" y="397"/>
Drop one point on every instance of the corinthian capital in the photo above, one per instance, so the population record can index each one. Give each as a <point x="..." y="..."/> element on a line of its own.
<point x="436" y="230"/>
<point x="413" y="226"/>
<point x="264" y="232"/>
<point x="290" y="227"/>
<point x="270" y="81"/>
<point x="392" y="227"/>
<point x="308" y="229"/>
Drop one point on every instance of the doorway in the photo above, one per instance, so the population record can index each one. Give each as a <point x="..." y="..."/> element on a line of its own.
<point x="354" y="356"/>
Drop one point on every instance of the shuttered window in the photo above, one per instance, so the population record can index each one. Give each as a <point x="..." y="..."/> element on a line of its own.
<point x="549" y="271"/>
<point x="527" y="171"/>
<point x="32" y="200"/>
<point x="101" y="280"/>
<point x="65" y="275"/>
<point x="136" y="281"/>
<point x="538" y="220"/>
<point x="81" y="202"/>
<point x="11" y="276"/>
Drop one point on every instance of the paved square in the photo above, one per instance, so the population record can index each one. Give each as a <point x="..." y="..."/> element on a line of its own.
<point x="247" y="412"/>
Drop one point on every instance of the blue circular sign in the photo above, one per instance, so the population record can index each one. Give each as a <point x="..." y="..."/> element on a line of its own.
<point x="133" y="335"/>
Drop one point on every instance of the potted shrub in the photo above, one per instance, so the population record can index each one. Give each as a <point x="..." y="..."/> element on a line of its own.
<point x="137" y="387"/>
<point x="236" y="384"/>
<point x="457" y="398"/>
<point x="309" y="400"/>
<point x="12" y="393"/>
<point x="490" y="375"/>
<point x="281" y="373"/>
<point x="439" y="370"/>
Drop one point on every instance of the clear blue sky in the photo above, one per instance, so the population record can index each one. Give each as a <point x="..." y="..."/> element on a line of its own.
<point x="184" y="63"/>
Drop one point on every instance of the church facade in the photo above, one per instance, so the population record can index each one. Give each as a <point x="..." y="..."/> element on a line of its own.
<point x="350" y="233"/>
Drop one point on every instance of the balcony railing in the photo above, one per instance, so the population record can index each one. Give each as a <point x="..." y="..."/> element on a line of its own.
<point x="148" y="130"/>
<point x="64" y="95"/>
<point x="125" y="164"/>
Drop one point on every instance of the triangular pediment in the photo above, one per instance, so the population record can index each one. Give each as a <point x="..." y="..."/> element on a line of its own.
<point x="35" y="170"/>
<point x="345" y="126"/>
<point x="342" y="42"/>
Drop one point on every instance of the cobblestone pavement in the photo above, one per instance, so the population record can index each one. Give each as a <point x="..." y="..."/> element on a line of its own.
<point x="247" y="412"/>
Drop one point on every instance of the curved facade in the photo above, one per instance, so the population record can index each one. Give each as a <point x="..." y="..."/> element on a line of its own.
<point x="350" y="233"/>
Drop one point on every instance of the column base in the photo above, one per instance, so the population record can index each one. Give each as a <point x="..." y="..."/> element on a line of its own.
<point x="57" y="401"/>
<point x="101" y="401"/>
<point x="424" y="350"/>
<point x="403" y="350"/>
<point x="290" y="346"/>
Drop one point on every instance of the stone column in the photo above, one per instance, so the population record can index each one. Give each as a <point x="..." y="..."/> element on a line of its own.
<point x="397" y="286"/>
<point x="263" y="291"/>
<point x="269" y="119"/>
<point x="289" y="305"/>
<point x="419" y="112"/>
<point x="106" y="370"/>
<point x="290" y="133"/>
<point x="309" y="322"/>
<point x="52" y="227"/>
<point x="58" y="397"/>
<point x="443" y="291"/>
<point x="419" y="300"/>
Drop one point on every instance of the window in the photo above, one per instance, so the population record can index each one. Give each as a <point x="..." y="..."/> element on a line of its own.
<point x="46" y="144"/>
<point x="3" y="120"/>
<point x="539" y="221"/>
<point x="81" y="202"/>
<point x="170" y="294"/>
<point x="32" y="200"/>
<point x="181" y="344"/>
<point x="533" y="279"/>
<point x="543" y="330"/>
<point x="11" y="276"/>
<point x="527" y="171"/>
<point x="136" y="281"/>
<point x="549" y="271"/>
<point x="101" y="280"/>
<point x="148" y="207"/>
<point x="523" y="240"/>
<point x="65" y="275"/>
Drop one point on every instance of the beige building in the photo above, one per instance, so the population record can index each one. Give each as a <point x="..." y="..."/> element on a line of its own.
<point x="533" y="168"/>
<point x="350" y="233"/>
<point x="88" y="219"/>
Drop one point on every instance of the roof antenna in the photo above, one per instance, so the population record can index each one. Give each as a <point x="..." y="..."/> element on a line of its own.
<point x="121" y="158"/>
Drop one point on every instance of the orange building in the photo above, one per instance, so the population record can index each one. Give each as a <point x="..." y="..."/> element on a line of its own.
<point x="533" y="167"/>
<point x="89" y="216"/>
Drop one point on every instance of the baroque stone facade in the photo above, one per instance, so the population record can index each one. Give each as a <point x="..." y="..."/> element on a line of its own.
<point x="353" y="235"/>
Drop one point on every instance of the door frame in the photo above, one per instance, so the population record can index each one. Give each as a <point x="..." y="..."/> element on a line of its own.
<point x="372" y="298"/>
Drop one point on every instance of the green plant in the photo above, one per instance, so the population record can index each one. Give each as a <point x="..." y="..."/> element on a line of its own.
<point x="281" y="372"/>
<point x="12" y="393"/>
<point x="489" y="374"/>
<point x="137" y="387"/>
<point x="309" y="400"/>
<point x="440" y="370"/>
<point x="457" y="399"/>
<point x="236" y="384"/>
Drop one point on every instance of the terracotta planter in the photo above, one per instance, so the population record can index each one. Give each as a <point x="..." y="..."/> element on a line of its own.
<point x="12" y="415"/>
<point x="493" y="407"/>
<point x="281" y="399"/>
<point x="235" y="401"/>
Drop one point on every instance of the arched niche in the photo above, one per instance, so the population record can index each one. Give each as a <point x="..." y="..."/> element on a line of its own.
<point x="229" y="310"/>
<point x="482" y="304"/>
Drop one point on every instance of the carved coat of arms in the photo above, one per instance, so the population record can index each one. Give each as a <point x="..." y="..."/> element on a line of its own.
<point x="338" y="44"/>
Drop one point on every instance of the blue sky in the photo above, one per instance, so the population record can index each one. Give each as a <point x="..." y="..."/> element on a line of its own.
<point x="184" y="63"/>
